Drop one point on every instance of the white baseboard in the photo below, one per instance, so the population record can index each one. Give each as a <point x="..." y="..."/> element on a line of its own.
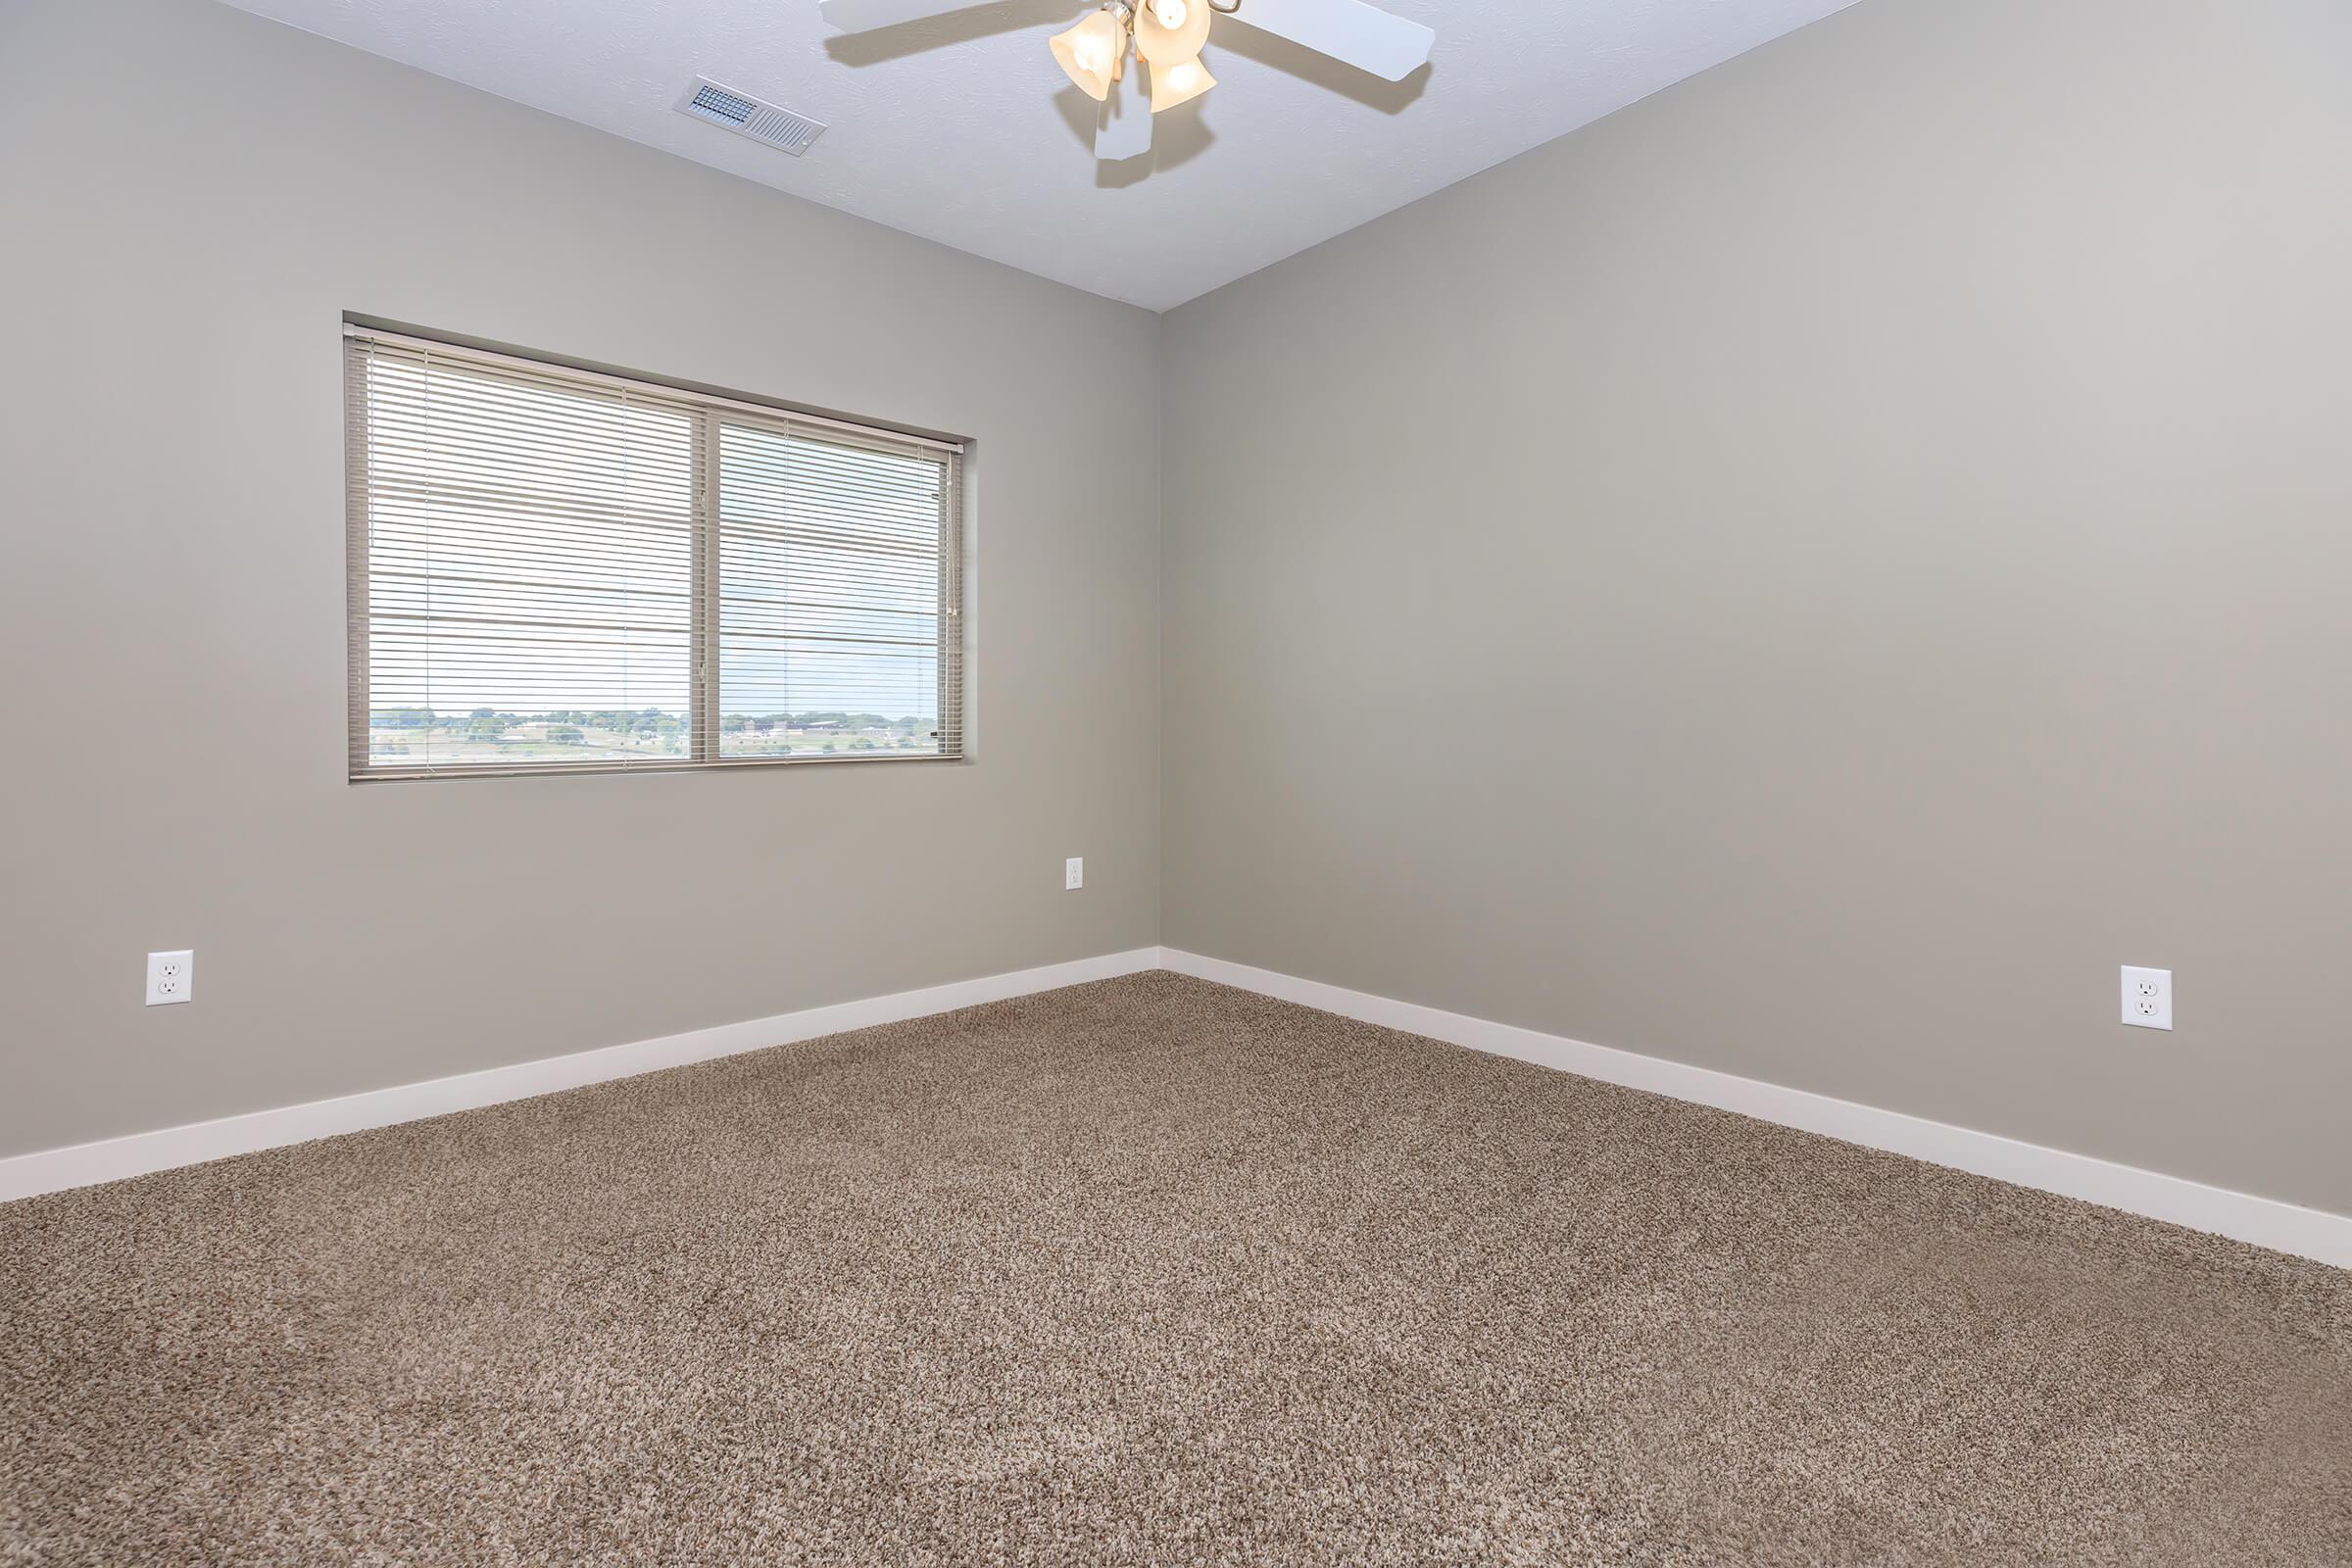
<point x="112" y="1158"/>
<point x="2262" y="1221"/>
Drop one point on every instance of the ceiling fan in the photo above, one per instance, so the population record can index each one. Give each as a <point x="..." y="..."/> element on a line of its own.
<point x="1167" y="35"/>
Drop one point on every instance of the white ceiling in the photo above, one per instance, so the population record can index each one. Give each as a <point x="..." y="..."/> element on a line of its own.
<point x="962" y="129"/>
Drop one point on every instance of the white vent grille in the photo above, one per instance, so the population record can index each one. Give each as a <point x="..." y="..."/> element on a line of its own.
<point x="748" y="116"/>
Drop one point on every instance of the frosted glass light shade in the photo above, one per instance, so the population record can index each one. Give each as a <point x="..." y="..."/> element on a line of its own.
<point x="1168" y="33"/>
<point x="1179" y="83"/>
<point x="1090" y="52"/>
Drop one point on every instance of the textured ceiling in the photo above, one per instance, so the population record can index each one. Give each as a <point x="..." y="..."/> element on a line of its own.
<point x="963" y="130"/>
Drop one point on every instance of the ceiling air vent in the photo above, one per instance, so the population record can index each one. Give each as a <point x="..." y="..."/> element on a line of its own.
<point x="743" y="114"/>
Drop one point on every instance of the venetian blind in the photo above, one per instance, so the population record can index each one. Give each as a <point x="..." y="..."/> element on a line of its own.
<point x="560" y="570"/>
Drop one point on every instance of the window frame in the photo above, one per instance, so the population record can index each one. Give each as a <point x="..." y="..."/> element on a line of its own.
<point x="711" y="412"/>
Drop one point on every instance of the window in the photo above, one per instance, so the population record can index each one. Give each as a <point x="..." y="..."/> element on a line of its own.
<point x="554" y="570"/>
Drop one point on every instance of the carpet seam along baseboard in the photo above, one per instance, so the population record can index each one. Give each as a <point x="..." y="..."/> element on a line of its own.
<point x="2280" y="1226"/>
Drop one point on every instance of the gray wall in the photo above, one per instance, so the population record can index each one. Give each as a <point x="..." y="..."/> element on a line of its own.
<point x="1809" y="575"/>
<point x="1804" y="577"/>
<point x="171" y="591"/>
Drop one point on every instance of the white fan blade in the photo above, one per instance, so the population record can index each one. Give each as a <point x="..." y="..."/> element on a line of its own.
<point x="1125" y="129"/>
<point x="861" y="16"/>
<point x="1349" y="30"/>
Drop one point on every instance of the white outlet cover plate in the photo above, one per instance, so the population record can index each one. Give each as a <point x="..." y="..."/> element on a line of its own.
<point x="1073" y="873"/>
<point x="170" y="977"/>
<point x="2147" y="997"/>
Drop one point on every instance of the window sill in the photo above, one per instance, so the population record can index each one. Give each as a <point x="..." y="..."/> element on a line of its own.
<point x="387" y="775"/>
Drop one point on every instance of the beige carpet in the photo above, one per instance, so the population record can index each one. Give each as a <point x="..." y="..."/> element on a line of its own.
<point x="1145" y="1272"/>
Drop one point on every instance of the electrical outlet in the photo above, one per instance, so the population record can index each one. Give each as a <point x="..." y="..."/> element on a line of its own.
<point x="170" y="977"/>
<point x="1073" y="872"/>
<point x="2147" y="997"/>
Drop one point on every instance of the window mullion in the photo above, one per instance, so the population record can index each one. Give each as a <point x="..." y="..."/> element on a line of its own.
<point x="704" y="718"/>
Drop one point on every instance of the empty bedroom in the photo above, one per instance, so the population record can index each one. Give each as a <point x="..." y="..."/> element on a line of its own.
<point x="1247" y="782"/>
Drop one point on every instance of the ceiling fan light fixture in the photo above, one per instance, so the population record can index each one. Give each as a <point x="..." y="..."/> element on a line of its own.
<point x="1168" y="33"/>
<point x="1179" y="83"/>
<point x="1166" y="36"/>
<point x="1090" y="51"/>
